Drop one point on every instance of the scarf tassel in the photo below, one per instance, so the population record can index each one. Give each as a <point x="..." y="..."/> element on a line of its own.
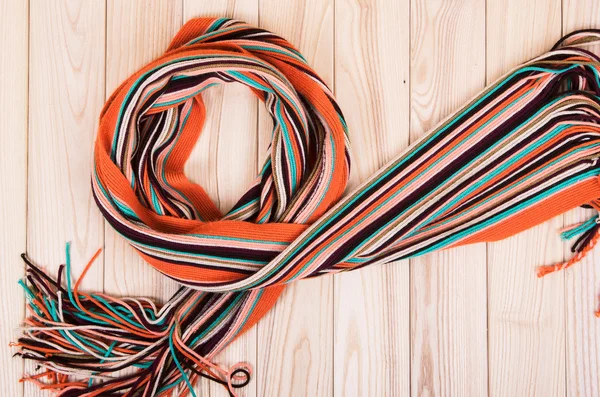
<point x="81" y="342"/>
<point x="588" y="233"/>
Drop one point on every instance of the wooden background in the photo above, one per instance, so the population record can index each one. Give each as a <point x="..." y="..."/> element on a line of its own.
<point x="473" y="321"/>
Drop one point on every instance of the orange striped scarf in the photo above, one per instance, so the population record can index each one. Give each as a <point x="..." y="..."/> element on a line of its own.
<point x="521" y="152"/>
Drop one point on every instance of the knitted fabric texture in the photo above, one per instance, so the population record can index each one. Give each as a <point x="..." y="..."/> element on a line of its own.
<point x="522" y="151"/>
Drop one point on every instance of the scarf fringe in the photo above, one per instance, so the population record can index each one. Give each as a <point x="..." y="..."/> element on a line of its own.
<point x="589" y="234"/>
<point x="81" y="342"/>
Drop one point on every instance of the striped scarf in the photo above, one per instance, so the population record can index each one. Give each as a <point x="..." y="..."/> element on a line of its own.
<point x="524" y="150"/>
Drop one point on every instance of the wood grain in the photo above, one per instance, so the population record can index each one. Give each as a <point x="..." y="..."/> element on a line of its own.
<point x="66" y="86"/>
<point x="371" y="311"/>
<point x="14" y="30"/>
<point x="448" y="288"/>
<point x="526" y="315"/>
<point x="224" y="159"/>
<point x="582" y="281"/>
<point x="295" y="339"/>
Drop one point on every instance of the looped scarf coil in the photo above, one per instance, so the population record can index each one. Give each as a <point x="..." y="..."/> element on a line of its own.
<point x="524" y="150"/>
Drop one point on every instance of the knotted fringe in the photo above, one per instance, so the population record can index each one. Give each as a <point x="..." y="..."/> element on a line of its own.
<point x="589" y="234"/>
<point x="524" y="150"/>
<point x="588" y="237"/>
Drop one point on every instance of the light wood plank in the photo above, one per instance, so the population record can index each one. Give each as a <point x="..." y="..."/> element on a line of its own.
<point x="371" y="309"/>
<point x="582" y="281"/>
<point x="66" y="95"/>
<point x="295" y="339"/>
<point x="14" y="30"/>
<point x="448" y="288"/>
<point x="136" y="33"/>
<point x="525" y="314"/>
<point x="224" y="159"/>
